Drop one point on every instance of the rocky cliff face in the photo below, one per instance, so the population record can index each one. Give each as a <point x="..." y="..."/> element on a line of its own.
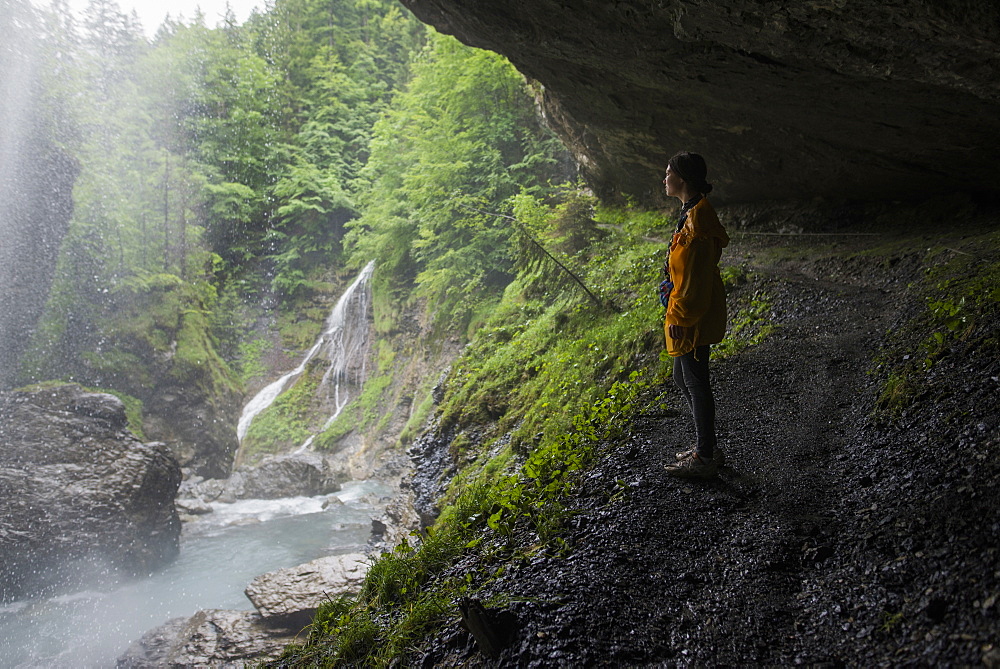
<point x="80" y="497"/>
<point x="786" y="99"/>
<point x="196" y="424"/>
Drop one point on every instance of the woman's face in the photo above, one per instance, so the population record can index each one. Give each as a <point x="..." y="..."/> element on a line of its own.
<point x="673" y="183"/>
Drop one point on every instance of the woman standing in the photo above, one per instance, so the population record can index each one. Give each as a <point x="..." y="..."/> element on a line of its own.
<point x="696" y="306"/>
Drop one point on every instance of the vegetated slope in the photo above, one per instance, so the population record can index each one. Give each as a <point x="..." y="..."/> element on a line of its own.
<point x="832" y="537"/>
<point x="857" y="522"/>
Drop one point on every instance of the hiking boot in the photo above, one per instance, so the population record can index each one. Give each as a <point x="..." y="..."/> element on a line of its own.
<point x="717" y="455"/>
<point x="693" y="467"/>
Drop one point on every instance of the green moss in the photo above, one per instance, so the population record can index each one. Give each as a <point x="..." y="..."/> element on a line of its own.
<point x="287" y="423"/>
<point x="419" y="416"/>
<point x="897" y="393"/>
<point x="251" y="364"/>
<point x="133" y="405"/>
<point x="748" y="327"/>
<point x="196" y="360"/>
<point x="385" y="355"/>
<point x="359" y="414"/>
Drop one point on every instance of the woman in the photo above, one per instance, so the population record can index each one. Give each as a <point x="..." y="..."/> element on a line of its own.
<point x="696" y="306"/>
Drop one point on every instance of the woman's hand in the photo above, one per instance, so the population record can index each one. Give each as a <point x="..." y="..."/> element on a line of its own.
<point x="677" y="331"/>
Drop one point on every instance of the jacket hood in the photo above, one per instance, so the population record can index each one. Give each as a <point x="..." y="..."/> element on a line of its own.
<point x="702" y="221"/>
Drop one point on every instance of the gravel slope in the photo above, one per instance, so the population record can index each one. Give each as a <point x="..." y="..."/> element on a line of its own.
<point x="829" y="539"/>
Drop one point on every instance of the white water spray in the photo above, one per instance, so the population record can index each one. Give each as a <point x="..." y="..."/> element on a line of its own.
<point x="342" y="343"/>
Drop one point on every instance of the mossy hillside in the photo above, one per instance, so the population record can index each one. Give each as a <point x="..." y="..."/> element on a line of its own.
<point x="396" y="401"/>
<point x="547" y="349"/>
<point x="157" y="327"/>
<point x="292" y="418"/>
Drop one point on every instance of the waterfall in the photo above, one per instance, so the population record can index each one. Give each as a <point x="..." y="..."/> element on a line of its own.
<point x="343" y="344"/>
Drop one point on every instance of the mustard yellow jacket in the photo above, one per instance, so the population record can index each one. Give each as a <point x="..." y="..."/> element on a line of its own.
<point x="698" y="298"/>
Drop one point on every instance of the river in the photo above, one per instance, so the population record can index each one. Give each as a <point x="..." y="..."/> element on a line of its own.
<point x="221" y="553"/>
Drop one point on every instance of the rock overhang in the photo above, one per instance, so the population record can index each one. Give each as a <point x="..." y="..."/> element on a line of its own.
<point x="843" y="99"/>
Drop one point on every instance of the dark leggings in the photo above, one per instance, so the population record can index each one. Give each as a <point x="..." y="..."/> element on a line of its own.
<point x="691" y="376"/>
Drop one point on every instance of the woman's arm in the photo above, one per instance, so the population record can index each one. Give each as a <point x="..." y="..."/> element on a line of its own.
<point x="692" y="271"/>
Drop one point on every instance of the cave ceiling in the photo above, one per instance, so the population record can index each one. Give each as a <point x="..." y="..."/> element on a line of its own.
<point x="786" y="99"/>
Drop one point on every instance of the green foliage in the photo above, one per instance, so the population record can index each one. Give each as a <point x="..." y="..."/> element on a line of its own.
<point x="153" y="328"/>
<point x="457" y="144"/>
<point x="547" y="345"/>
<point x="358" y="414"/>
<point x="896" y="394"/>
<point x="251" y="366"/>
<point x="220" y="156"/>
<point x="747" y="328"/>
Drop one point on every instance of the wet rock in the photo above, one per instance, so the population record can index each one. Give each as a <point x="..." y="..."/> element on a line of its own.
<point x="294" y="594"/>
<point x="433" y="466"/>
<point x="193" y="507"/>
<point x="759" y="87"/>
<point x="284" y="476"/>
<point x="213" y="638"/>
<point x="196" y="424"/>
<point x="80" y="497"/>
<point x="396" y="524"/>
<point x="291" y="475"/>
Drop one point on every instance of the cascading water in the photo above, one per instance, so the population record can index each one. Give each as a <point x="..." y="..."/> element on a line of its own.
<point x="36" y="186"/>
<point x="221" y="551"/>
<point x="342" y="344"/>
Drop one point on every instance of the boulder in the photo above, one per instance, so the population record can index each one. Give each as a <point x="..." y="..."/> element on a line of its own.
<point x="291" y="475"/>
<point x="294" y="594"/>
<point x="212" y="638"/>
<point x="81" y="498"/>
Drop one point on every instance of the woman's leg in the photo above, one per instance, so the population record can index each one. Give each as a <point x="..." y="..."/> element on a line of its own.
<point x="681" y="382"/>
<point x="692" y="376"/>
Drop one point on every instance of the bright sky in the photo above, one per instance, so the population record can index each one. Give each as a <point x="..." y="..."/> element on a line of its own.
<point x="152" y="12"/>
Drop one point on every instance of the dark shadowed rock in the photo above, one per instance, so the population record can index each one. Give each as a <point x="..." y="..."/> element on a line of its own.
<point x="198" y="425"/>
<point x="786" y="99"/>
<point x="80" y="497"/>
<point x="433" y="467"/>
<point x="213" y="638"/>
<point x="294" y="594"/>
